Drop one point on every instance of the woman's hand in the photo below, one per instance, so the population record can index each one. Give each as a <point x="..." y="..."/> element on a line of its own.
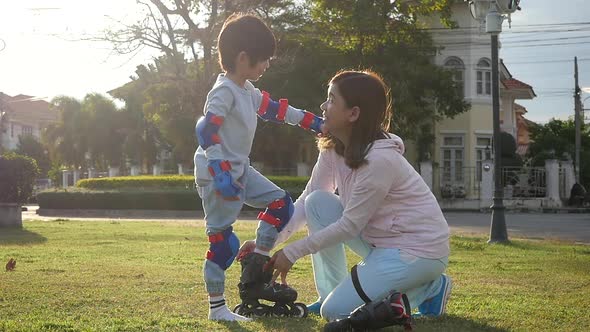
<point x="281" y="266"/>
<point x="246" y="248"/>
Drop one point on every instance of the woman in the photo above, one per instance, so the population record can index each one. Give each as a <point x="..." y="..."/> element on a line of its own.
<point x="384" y="211"/>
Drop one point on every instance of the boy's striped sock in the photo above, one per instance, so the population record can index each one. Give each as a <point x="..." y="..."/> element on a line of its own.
<point x="218" y="310"/>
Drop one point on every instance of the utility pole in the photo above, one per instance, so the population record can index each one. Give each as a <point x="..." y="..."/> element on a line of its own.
<point x="577" y="120"/>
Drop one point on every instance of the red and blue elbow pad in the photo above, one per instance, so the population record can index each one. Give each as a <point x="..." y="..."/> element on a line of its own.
<point x="222" y="179"/>
<point x="207" y="130"/>
<point x="271" y="110"/>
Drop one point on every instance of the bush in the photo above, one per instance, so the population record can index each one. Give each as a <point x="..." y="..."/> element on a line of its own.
<point x="289" y="183"/>
<point x="138" y="182"/>
<point x="172" y="199"/>
<point x="120" y="200"/>
<point x="17" y="178"/>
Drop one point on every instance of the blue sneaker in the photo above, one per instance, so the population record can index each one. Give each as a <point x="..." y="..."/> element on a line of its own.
<point x="314" y="308"/>
<point x="437" y="305"/>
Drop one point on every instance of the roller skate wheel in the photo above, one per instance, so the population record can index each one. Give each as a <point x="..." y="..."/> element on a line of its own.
<point x="299" y="310"/>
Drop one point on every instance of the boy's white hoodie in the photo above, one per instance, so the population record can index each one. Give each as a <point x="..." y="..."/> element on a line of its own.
<point x="385" y="201"/>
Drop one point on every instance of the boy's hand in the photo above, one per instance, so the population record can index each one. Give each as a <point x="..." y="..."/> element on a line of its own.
<point x="224" y="185"/>
<point x="246" y="248"/>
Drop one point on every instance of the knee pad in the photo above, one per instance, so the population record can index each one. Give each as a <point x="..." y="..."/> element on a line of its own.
<point x="279" y="212"/>
<point x="223" y="248"/>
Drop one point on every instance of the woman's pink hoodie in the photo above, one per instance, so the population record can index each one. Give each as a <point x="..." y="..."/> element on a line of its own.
<point x="385" y="201"/>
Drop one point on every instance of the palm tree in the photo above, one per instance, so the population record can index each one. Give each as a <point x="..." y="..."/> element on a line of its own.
<point x="67" y="139"/>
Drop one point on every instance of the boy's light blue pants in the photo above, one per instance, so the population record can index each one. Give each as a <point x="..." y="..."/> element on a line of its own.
<point x="380" y="271"/>
<point x="220" y="214"/>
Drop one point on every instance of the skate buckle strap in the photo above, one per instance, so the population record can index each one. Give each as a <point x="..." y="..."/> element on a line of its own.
<point x="357" y="285"/>
<point x="269" y="218"/>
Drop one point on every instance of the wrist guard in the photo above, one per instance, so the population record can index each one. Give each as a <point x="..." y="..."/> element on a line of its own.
<point x="222" y="179"/>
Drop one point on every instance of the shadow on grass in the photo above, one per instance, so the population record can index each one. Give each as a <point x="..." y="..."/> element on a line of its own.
<point x="452" y="323"/>
<point x="447" y="323"/>
<point x="19" y="236"/>
<point x="277" y="324"/>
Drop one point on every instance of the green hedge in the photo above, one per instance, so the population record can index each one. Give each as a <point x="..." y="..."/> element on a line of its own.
<point x="117" y="200"/>
<point x="138" y="182"/>
<point x="289" y="183"/>
<point x="179" y="199"/>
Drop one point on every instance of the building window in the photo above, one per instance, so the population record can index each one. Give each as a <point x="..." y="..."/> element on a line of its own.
<point x="483" y="151"/>
<point x="27" y="130"/>
<point x="452" y="159"/>
<point x="456" y="66"/>
<point x="484" y="77"/>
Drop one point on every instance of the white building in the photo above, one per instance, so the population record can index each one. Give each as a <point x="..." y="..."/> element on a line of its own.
<point x="23" y="115"/>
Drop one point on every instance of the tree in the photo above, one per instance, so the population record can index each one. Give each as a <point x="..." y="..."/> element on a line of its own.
<point x="67" y="139"/>
<point x="171" y="92"/>
<point x="316" y="39"/>
<point x="381" y="35"/>
<point x="556" y="140"/>
<point x="105" y="132"/>
<point x="29" y="146"/>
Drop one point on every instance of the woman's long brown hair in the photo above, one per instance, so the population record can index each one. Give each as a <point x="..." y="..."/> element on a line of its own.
<point x="366" y="90"/>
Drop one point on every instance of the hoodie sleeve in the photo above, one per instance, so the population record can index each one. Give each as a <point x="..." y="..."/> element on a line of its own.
<point x="322" y="178"/>
<point x="373" y="182"/>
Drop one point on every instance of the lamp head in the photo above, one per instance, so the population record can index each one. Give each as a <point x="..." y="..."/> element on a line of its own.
<point x="480" y="8"/>
<point x="508" y="6"/>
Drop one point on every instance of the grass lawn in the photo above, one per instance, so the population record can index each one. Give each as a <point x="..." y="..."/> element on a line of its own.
<point x="147" y="276"/>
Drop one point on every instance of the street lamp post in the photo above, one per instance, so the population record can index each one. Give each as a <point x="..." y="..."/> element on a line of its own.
<point x="492" y="12"/>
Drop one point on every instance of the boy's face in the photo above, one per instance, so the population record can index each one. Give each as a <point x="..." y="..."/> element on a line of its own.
<point x="251" y="72"/>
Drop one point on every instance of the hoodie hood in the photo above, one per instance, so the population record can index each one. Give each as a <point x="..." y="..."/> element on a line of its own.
<point x="393" y="142"/>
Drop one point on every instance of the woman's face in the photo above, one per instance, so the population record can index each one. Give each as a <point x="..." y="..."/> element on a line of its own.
<point x="338" y="117"/>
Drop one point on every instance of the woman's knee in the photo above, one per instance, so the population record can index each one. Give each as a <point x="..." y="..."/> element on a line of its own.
<point x="323" y="207"/>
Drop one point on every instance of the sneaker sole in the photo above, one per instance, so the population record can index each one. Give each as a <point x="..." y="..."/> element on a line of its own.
<point x="446" y="295"/>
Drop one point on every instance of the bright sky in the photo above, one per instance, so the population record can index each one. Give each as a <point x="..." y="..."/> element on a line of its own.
<point x="543" y="56"/>
<point x="34" y="61"/>
<point x="37" y="58"/>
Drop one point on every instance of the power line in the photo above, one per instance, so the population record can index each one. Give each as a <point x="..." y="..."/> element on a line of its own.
<point x="516" y="26"/>
<point x="547" y="61"/>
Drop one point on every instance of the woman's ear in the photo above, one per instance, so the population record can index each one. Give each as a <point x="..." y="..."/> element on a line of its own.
<point x="354" y="114"/>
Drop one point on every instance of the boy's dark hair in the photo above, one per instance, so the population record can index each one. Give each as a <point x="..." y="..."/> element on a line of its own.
<point x="244" y="33"/>
<point x="366" y="90"/>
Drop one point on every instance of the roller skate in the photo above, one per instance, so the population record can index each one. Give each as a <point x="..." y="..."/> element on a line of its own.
<point x="255" y="285"/>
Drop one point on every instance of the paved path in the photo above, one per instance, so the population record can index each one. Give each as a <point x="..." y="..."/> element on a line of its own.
<point x="559" y="226"/>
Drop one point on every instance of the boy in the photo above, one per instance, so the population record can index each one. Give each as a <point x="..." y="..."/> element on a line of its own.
<point x="225" y="180"/>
